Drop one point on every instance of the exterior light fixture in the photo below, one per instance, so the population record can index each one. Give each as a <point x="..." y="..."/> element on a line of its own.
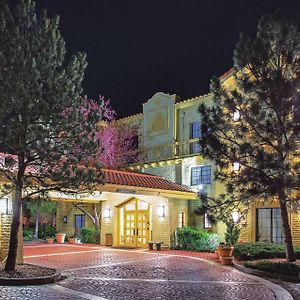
<point x="161" y="211"/>
<point x="236" y="167"/>
<point x="65" y="219"/>
<point x="106" y="213"/>
<point x="235" y="214"/>
<point x="236" y="116"/>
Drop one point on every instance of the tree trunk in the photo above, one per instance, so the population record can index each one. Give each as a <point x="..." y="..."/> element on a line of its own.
<point x="289" y="250"/>
<point x="96" y="218"/>
<point x="36" y="229"/>
<point x="15" y="224"/>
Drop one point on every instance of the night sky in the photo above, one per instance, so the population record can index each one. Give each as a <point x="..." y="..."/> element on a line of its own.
<point x="136" y="48"/>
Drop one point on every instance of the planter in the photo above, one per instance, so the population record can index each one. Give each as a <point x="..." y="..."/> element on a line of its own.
<point x="226" y="260"/>
<point x="50" y="240"/>
<point x="72" y="240"/>
<point x="225" y="251"/>
<point x="60" y="237"/>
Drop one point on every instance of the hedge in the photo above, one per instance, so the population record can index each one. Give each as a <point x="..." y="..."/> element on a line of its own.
<point x="260" y="250"/>
<point x="281" y="268"/>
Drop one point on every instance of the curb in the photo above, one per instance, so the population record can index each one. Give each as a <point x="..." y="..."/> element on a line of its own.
<point x="31" y="281"/>
<point x="266" y="274"/>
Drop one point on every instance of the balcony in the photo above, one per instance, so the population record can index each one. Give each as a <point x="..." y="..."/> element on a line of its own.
<point x="170" y="151"/>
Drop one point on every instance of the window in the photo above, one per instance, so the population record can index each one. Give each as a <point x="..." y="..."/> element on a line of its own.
<point x="195" y="130"/>
<point x="181" y="220"/>
<point x="207" y="223"/>
<point x="201" y="175"/>
<point x="269" y="226"/>
<point x="79" y="223"/>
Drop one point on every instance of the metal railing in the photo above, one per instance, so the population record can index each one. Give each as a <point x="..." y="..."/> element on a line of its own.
<point x="169" y="151"/>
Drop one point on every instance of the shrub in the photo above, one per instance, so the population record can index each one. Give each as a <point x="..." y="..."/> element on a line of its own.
<point x="28" y="235"/>
<point x="260" y="250"/>
<point x="89" y="235"/>
<point x="281" y="268"/>
<point x="194" y="239"/>
<point x="46" y="231"/>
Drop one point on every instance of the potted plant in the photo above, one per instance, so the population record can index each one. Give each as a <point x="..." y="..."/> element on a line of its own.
<point x="224" y="250"/>
<point x="60" y="237"/>
<point x="50" y="240"/>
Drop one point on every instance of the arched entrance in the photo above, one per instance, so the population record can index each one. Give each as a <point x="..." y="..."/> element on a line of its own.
<point x="134" y="226"/>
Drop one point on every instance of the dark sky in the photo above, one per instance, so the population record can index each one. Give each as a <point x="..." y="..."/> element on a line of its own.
<point x="136" y="48"/>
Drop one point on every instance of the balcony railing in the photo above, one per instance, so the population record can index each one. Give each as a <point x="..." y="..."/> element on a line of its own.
<point x="169" y="151"/>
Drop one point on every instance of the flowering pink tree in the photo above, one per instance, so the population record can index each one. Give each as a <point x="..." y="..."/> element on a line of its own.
<point x="118" y="147"/>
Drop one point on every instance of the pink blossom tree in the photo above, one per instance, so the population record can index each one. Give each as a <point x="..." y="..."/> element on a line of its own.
<point x="118" y="145"/>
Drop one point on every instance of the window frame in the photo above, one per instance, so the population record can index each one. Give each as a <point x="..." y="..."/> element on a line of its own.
<point x="206" y="223"/>
<point x="195" y="130"/>
<point x="82" y="220"/>
<point x="181" y="217"/>
<point x="193" y="177"/>
<point x="271" y="226"/>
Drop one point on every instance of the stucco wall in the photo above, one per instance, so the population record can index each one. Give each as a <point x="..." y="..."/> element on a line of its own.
<point x="67" y="209"/>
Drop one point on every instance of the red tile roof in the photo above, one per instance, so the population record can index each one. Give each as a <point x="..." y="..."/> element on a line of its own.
<point x="142" y="180"/>
<point x="120" y="177"/>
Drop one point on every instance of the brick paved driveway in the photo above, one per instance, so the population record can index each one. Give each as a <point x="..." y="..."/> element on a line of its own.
<point x="95" y="272"/>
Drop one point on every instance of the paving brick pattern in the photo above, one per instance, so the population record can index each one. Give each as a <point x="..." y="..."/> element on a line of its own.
<point x="36" y="292"/>
<point x="95" y="272"/>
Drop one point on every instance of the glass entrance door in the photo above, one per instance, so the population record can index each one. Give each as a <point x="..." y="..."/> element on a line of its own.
<point x="130" y="229"/>
<point x="142" y="228"/>
<point x="136" y="225"/>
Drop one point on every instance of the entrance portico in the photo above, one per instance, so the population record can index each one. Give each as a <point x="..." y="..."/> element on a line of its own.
<point x="135" y="208"/>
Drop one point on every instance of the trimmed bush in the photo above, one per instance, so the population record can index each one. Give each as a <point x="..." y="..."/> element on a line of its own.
<point x="260" y="250"/>
<point x="195" y="239"/>
<point x="281" y="268"/>
<point x="46" y="231"/>
<point x="89" y="235"/>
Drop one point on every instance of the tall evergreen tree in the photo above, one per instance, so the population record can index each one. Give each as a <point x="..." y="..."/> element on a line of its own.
<point x="44" y="122"/>
<point x="254" y="122"/>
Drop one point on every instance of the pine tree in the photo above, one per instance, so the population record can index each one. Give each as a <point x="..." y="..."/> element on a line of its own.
<point x="264" y="96"/>
<point x="44" y="122"/>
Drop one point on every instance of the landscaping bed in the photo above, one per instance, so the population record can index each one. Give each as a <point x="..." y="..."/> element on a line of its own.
<point x="29" y="274"/>
<point x="270" y="269"/>
<point x="266" y="260"/>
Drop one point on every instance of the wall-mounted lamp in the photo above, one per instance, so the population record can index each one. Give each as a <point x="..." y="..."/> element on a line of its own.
<point x="161" y="211"/>
<point x="65" y="219"/>
<point x="106" y="213"/>
<point x="235" y="216"/>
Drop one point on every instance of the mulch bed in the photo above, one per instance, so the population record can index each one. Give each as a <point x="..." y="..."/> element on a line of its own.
<point x="26" y="271"/>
